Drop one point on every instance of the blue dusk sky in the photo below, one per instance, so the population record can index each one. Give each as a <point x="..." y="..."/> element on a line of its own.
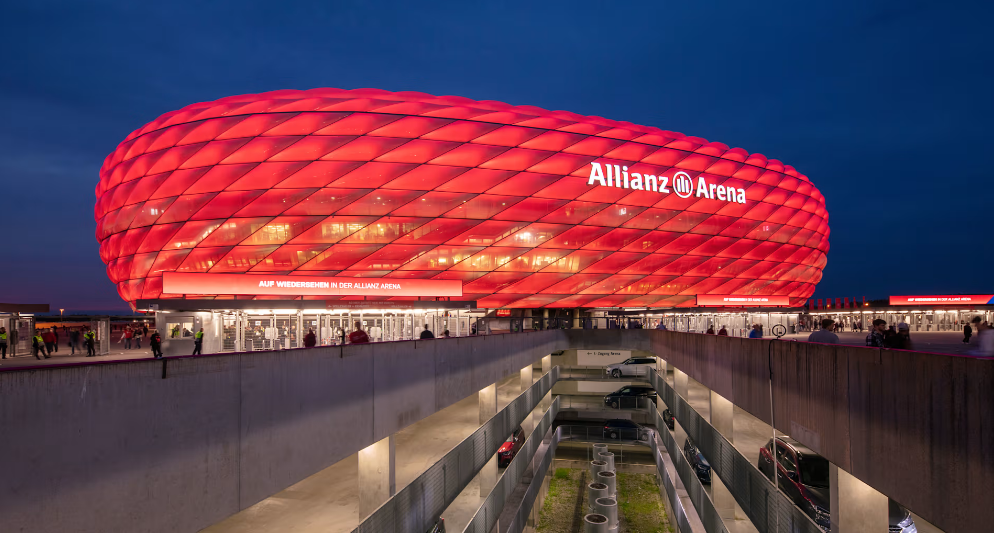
<point x="886" y="105"/>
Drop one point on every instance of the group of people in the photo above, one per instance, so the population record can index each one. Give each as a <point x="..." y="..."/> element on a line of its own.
<point x="883" y="336"/>
<point x="359" y="336"/>
<point x="46" y="342"/>
<point x="756" y="332"/>
<point x="133" y="335"/>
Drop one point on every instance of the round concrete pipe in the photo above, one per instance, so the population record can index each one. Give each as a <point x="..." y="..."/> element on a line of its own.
<point x="598" y="448"/>
<point x="609" y="508"/>
<point x="595" y="490"/>
<point x="597" y="466"/>
<point x="608" y="458"/>
<point x="595" y="523"/>
<point x="609" y="479"/>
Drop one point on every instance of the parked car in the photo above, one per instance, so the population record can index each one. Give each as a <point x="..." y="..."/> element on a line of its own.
<point x="630" y="396"/>
<point x="619" y="428"/>
<point x="633" y="366"/>
<point x="439" y="526"/>
<point x="668" y="419"/>
<point x="510" y="448"/>
<point x="697" y="461"/>
<point x="803" y="476"/>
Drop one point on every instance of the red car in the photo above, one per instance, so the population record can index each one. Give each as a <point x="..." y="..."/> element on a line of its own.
<point x="510" y="448"/>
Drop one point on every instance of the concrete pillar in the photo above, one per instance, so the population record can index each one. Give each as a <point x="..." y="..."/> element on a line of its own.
<point x="526" y="381"/>
<point x="722" y="413"/>
<point x="855" y="506"/>
<point x="377" y="475"/>
<point x="488" y="408"/>
<point x="681" y="383"/>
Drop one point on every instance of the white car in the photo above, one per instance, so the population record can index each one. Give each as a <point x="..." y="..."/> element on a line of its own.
<point x="633" y="366"/>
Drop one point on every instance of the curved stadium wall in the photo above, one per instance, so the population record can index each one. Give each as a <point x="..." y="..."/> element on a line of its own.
<point x="527" y="207"/>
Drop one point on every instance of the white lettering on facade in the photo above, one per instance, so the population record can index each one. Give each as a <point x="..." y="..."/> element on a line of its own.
<point x="608" y="175"/>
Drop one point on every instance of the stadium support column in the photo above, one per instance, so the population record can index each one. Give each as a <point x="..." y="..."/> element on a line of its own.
<point x="488" y="408"/>
<point x="855" y="506"/>
<point x="526" y="381"/>
<point x="722" y="418"/>
<point x="377" y="475"/>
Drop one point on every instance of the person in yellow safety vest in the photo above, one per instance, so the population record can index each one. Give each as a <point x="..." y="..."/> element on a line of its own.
<point x="89" y="338"/>
<point x="3" y="342"/>
<point x="198" y="341"/>
<point x="38" y="344"/>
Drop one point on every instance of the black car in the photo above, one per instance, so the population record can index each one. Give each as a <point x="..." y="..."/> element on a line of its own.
<point x="668" y="419"/>
<point x="697" y="461"/>
<point x="803" y="476"/>
<point x="631" y="396"/>
<point x="619" y="428"/>
<point x="439" y="526"/>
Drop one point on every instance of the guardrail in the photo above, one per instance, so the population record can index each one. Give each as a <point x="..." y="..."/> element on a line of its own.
<point x="415" y="507"/>
<point x="487" y="515"/>
<point x="767" y="508"/>
<point x="695" y="489"/>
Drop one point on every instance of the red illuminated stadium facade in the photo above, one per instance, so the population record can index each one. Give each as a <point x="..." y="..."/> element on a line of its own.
<point x="527" y="208"/>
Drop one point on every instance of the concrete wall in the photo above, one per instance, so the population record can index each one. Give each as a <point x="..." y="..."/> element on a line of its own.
<point x="115" y="447"/>
<point x="918" y="427"/>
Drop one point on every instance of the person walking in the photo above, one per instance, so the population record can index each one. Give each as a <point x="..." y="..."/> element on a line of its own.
<point x="137" y="337"/>
<point x="155" y="342"/>
<point x="825" y="335"/>
<point x="198" y="342"/>
<point x="710" y="330"/>
<point x="310" y="340"/>
<point x="875" y="338"/>
<point x="48" y="336"/>
<point x="3" y="342"/>
<point x="427" y="334"/>
<point x="74" y="340"/>
<point x="358" y="336"/>
<point x="55" y="333"/>
<point x="144" y="329"/>
<point x="90" y="340"/>
<point x="38" y="345"/>
<point x="967" y="333"/>
<point x="446" y="335"/>
<point x="757" y="332"/>
<point x="723" y="332"/>
<point x="128" y="335"/>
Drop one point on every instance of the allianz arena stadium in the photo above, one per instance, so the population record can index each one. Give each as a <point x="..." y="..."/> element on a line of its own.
<point x="524" y="207"/>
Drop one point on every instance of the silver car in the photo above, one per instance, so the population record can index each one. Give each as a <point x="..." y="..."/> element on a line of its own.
<point x="633" y="366"/>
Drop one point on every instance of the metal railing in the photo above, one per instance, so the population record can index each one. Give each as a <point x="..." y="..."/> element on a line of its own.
<point x="678" y="515"/>
<point x="695" y="489"/>
<point x="767" y="508"/>
<point x="487" y="515"/>
<point x="415" y="507"/>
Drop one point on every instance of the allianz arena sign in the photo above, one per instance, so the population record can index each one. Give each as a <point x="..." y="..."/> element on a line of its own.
<point x="683" y="185"/>
<point x="510" y="206"/>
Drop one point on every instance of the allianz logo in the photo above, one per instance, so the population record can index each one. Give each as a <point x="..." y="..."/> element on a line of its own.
<point x="682" y="184"/>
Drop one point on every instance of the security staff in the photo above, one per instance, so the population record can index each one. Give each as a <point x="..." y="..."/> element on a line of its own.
<point x="90" y="338"/>
<point x="198" y="341"/>
<point x="38" y="344"/>
<point x="3" y="342"/>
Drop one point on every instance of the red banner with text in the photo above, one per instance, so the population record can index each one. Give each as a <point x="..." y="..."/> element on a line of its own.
<point x="197" y="283"/>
